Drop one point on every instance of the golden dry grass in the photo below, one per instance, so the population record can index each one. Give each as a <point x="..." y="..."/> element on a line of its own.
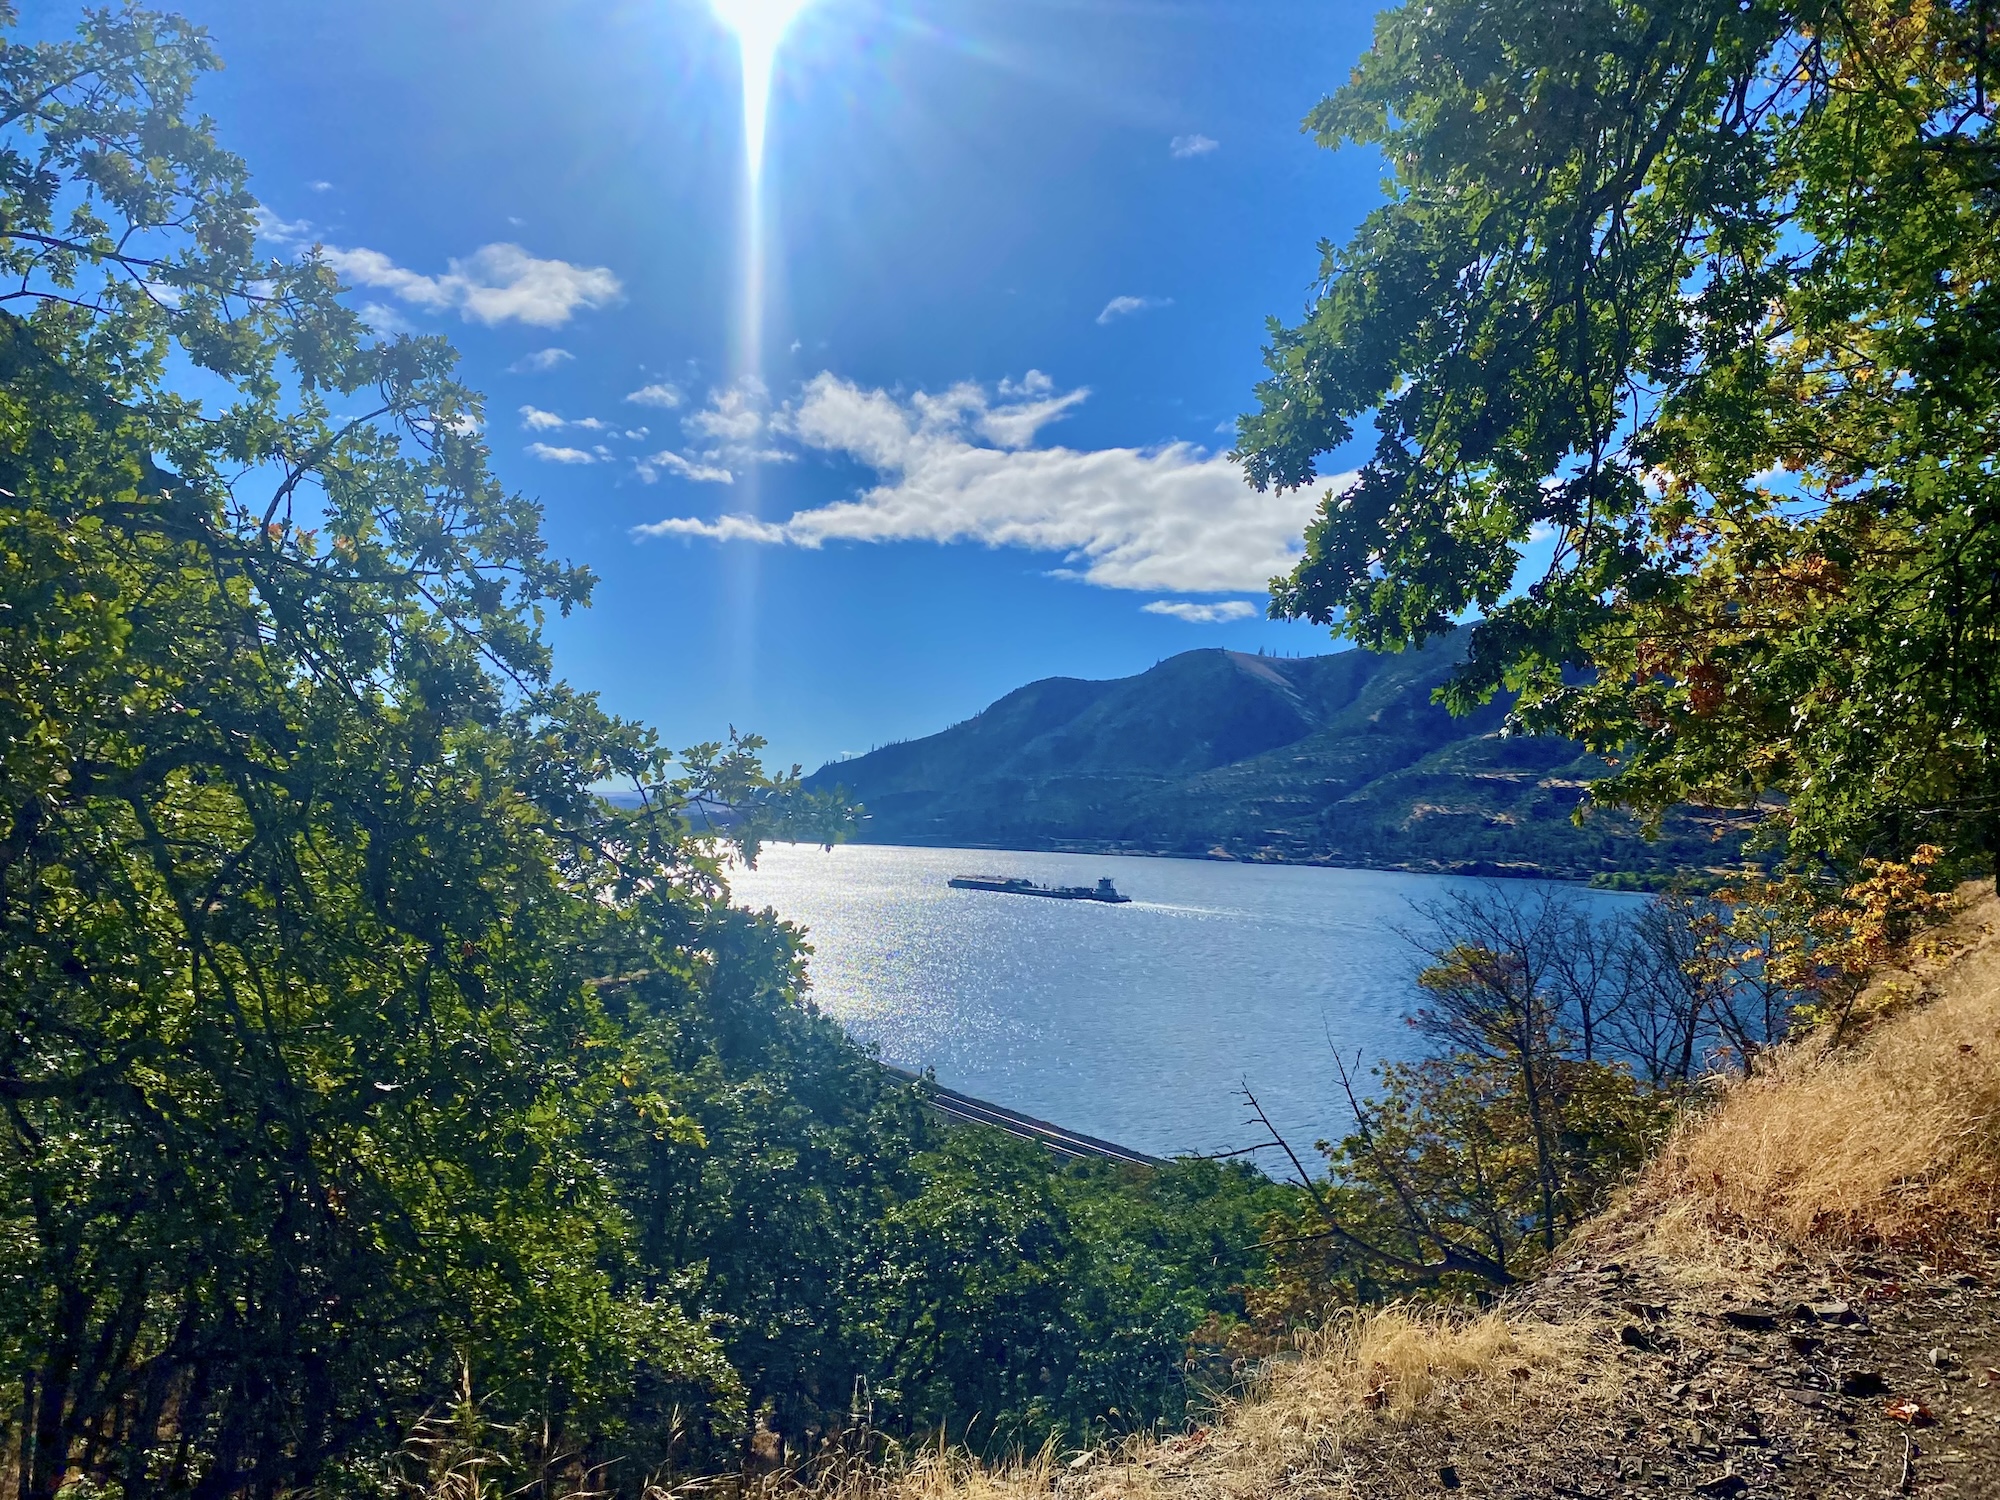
<point x="1896" y="1140"/>
<point x="1371" y="1370"/>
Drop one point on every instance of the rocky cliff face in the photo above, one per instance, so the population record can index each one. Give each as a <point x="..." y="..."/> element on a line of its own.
<point x="1341" y="759"/>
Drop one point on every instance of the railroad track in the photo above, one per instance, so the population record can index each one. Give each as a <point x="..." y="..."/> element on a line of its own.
<point x="963" y="1109"/>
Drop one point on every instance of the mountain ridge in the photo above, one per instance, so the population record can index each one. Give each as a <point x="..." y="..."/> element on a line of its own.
<point x="1334" y="759"/>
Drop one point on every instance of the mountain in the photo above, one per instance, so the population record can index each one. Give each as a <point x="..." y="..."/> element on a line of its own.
<point x="1338" y="759"/>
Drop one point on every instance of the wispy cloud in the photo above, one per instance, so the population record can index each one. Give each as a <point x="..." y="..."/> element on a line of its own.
<point x="721" y="529"/>
<point x="495" y="284"/>
<point x="1124" y="307"/>
<point x="288" y="232"/>
<point x="540" y="362"/>
<point x="385" y="320"/>
<point x="1201" y="614"/>
<point x="666" y="461"/>
<point x="660" y="393"/>
<point x="733" y="415"/>
<point x="1185" y="146"/>
<point x="536" y="420"/>
<point x="552" y="455"/>
<point x="320" y="186"/>
<point x="958" y="466"/>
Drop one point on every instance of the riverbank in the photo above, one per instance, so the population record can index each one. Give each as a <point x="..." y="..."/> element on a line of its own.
<point x="1616" y="879"/>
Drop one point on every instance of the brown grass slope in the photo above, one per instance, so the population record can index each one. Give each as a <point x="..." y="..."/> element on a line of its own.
<point x="1801" y="1297"/>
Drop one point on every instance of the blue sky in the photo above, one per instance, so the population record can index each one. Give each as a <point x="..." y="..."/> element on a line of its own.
<point x="1019" y="258"/>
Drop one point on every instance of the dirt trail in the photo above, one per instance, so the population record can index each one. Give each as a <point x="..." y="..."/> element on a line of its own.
<point x="1866" y="1375"/>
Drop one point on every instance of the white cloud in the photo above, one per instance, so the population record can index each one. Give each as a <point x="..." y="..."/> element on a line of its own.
<point x="385" y="319"/>
<point x="1185" y="146"/>
<point x="540" y="361"/>
<point x="495" y="284"/>
<point x="1201" y="614"/>
<point x="1123" y="307"/>
<point x="653" y="465"/>
<point x="280" y="231"/>
<point x="321" y="186"/>
<point x="536" y="420"/>
<point x="549" y="455"/>
<point x="660" y="393"/>
<point x="734" y="415"/>
<point x="1175" y="518"/>
<point x="722" y="529"/>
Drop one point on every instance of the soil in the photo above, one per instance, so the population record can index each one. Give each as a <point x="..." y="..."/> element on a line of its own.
<point x="1864" y="1374"/>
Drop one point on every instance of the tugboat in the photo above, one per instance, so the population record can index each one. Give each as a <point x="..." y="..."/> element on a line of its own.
<point x="1020" y="885"/>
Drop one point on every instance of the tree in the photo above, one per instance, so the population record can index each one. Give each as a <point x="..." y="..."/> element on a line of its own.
<point x="1704" y="290"/>
<point x="304" y="878"/>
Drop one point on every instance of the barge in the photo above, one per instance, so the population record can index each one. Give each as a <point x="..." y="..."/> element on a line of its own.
<point x="1020" y="885"/>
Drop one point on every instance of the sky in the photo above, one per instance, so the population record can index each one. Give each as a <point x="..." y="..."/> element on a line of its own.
<point x="1017" y="261"/>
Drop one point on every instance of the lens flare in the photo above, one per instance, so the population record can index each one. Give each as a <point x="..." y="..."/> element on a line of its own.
<point x="760" y="26"/>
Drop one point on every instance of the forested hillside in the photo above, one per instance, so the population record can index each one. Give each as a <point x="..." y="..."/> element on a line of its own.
<point x="1342" y="758"/>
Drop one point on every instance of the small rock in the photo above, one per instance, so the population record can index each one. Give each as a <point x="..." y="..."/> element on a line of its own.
<point x="1448" y="1476"/>
<point x="1826" y="1312"/>
<point x="1804" y="1343"/>
<point x="1650" y="1312"/>
<point x="1863" y="1383"/>
<point x="1632" y="1336"/>
<point x="1728" y="1486"/>
<point x="1940" y="1359"/>
<point x="1753" y="1319"/>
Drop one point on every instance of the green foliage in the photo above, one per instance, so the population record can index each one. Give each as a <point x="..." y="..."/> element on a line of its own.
<point x="1011" y="1305"/>
<point x="1707" y="291"/>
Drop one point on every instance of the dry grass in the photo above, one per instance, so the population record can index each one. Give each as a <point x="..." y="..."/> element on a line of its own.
<point x="1896" y="1140"/>
<point x="1374" y="1369"/>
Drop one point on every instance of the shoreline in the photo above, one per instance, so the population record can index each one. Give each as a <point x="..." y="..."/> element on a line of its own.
<point x="1475" y="869"/>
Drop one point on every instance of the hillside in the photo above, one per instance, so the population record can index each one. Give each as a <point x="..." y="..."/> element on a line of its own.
<point x="1799" y="1297"/>
<point x="1338" y="759"/>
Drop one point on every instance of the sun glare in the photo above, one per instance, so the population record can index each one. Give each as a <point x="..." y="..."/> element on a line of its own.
<point x="760" y="26"/>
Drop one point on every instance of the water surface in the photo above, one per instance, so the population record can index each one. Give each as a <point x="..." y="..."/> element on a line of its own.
<point x="1138" y="1023"/>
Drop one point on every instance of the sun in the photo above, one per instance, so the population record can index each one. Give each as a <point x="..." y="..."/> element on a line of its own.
<point x="760" y="24"/>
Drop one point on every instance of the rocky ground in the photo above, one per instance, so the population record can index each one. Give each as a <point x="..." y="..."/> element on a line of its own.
<point x="1865" y="1374"/>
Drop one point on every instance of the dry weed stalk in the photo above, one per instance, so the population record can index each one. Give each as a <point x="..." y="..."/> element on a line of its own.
<point x="462" y="1454"/>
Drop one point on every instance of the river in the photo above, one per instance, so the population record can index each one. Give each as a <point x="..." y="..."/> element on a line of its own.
<point x="1138" y="1023"/>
